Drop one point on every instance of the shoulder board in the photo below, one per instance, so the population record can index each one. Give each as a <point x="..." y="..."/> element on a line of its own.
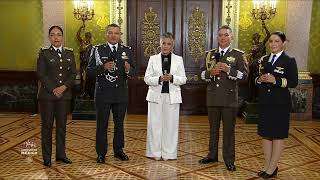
<point x="124" y="46"/>
<point x="238" y="50"/>
<point x="100" y="45"/>
<point x="45" y="47"/>
<point x="67" y="48"/>
<point x="214" y="49"/>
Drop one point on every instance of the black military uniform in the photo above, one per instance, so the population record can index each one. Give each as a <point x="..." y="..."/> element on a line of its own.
<point x="274" y="99"/>
<point x="111" y="93"/>
<point x="54" y="69"/>
<point x="222" y="101"/>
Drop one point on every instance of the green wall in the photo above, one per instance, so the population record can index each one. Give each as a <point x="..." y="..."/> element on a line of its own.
<point x="95" y="26"/>
<point x="314" y="41"/>
<point x="20" y="34"/>
<point x="249" y="26"/>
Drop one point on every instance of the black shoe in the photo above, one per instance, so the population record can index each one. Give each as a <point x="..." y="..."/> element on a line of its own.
<point x="101" y="159"/>
<point x="207" y="160"/>
<point x="64" y="160"/>
<point x="267" y="176"/>
<point x="261" y="173"/>
<point x="47" y="163"/>
<point x="230" y="166"/>
<point x="122" y="156"/>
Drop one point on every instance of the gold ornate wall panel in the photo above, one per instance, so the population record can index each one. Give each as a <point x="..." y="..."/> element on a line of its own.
<point x="150" y="33"/>
<point x="314" y="45"/>
<point x="118" y="15"/>
<point x="230" y="15"/>
<point x="196" y="34"/>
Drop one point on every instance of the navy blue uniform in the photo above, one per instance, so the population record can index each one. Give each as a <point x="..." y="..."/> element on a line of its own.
<point x="111" y="93"/>
<point x="274" y="99"/>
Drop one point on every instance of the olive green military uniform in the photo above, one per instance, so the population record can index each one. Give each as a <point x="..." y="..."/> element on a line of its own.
<point x="222" y="99"/>
<point x="54" y="70"/>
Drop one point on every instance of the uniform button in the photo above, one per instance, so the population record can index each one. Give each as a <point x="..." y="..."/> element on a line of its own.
<point x="217" y="85"/>
<point x="60" y="81"/>
<point x="268" y="90"/>
<point x="116" y="76"/>
<point x="60" y="67"/>
<point x="115" y="60"/>
<point x="218" y="78"/>
<point x="116" y="85"/>
<point x="60" y="60"/>
<point x="60" y="74"/>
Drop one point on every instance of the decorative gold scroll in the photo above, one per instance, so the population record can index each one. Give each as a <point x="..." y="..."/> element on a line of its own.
<point x="150" y="33"/>
<point x="197" y="34"/>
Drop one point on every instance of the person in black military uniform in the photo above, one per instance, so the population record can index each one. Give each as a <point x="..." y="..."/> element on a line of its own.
<point x="56" y="71"/>
<point x="111" y="63"/>
<point x="224" y="67"/>
<point x="278" y="72"/>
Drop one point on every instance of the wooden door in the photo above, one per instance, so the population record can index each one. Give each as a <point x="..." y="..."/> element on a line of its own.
<point x="193" y="23"/>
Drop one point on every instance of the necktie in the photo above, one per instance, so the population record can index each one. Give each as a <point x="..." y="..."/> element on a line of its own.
<point x="222" y="52"/>
<point x="273" y="59"/>
<point x="114" y="49"/>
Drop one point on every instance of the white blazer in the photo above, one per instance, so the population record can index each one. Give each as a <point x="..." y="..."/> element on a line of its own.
<point x="154" y="71"/>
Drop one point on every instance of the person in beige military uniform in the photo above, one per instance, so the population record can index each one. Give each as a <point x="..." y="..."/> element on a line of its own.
<point x="224" y="67"/>
<point x="56" y="71"/>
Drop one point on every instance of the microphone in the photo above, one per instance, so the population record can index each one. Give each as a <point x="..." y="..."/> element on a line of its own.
<point x="217" y="58"/>
<point x="268" y="70"/>
<point x="165" y="64"/>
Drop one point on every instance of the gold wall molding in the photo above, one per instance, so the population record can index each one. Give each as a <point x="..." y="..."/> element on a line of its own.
<point x="197" y="34"/>
<point x="150" y="33"/>
<point x="230" y="16"/>
<point x="118" y="15"/>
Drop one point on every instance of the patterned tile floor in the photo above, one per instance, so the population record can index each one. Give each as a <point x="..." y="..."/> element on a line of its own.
<point x="21" y="132"/>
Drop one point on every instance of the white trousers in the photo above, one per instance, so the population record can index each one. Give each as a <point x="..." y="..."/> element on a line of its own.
<point x="163" y="128"/>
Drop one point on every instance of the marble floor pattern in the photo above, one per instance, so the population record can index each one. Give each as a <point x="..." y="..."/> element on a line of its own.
<point x="20" y="135"/>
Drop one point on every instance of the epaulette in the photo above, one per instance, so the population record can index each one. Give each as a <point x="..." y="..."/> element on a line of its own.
<point x="45" y="47"/>
<point x="122" y="45"/>
<point x="238" y="50"/>
<point x="67" y="48"/>
<point x="214" y="49"/>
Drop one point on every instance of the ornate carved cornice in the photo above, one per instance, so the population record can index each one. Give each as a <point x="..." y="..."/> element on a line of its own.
<point x="196" y="34"/>
<point x="150" y="33"/>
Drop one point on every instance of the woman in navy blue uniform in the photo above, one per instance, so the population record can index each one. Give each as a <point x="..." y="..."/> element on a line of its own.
<point x="278" y="72"/>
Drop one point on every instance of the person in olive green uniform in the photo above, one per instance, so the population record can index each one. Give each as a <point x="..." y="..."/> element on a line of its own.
<point x="112" y="64"/>
<point x="224" y="67"/>
<point x="56" y="71"/>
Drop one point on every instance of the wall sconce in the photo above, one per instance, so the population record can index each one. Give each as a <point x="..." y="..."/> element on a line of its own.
<point x="261" y="10"/>
<point x="83" y="10"/>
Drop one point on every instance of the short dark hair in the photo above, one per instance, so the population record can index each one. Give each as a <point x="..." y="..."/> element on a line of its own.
<point x="167" y="35"/>
<point x="225" y="27"/>
<point x="281" y="35"/>
<point x="112" y="25"/>
<point x="55" y="27"/>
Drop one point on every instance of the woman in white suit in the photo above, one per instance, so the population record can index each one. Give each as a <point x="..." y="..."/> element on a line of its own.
<point x="164" y="75"/>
